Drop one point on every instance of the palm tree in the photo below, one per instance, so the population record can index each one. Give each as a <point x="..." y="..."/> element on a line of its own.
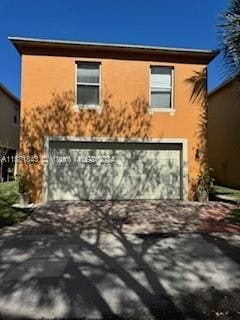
<point x="230" y="39"/>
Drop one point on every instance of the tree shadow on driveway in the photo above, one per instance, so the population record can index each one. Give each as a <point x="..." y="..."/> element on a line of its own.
<point x="230" y="248"/>
<point x="107" y="274"/>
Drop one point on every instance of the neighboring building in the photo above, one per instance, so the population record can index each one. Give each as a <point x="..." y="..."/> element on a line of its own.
<point x="114" y="121"/>
<point x="9" y="132"/>
<point x="224" y="133"/>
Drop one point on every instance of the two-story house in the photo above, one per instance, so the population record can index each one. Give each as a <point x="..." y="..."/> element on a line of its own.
<point x="9" y="132"/>
<point x="110" y="121"/>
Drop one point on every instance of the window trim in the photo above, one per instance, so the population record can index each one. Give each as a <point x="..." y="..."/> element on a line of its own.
<point x="89" y="106"/>
<point x="159" y="109"/>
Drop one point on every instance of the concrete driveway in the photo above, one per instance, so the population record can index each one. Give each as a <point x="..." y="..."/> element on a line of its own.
<point x="77" y="260"/>
<point x="98" y="275"/>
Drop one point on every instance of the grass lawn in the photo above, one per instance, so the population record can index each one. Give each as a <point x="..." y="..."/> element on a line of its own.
<point x="224" y="191"/>
<point x="8" y="196"/>
<point x="234" y="194"/>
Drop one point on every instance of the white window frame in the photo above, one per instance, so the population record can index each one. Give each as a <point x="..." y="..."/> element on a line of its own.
<point x="15" y="113"/>
<point x="89" y="106"/>
<point x="159" y="109"/>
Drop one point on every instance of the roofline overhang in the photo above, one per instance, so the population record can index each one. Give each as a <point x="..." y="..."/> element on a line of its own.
<point x="10" y="94"/>
<point x="26" y="45"/>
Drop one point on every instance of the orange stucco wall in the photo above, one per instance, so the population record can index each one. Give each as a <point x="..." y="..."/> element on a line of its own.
<point x="48" y="85"/>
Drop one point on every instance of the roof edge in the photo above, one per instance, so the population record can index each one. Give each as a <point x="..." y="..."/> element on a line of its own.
<point x="9" y="93"/>
<point x="222" y="85"/>
<point x="108" y="44"/>
<point x="24" y="40"/>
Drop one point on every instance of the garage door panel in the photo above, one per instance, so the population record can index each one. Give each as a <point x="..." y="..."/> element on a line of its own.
<point x="150" y="178"/>
<point x="133" y="173"/>
<point x="75" y="178"/>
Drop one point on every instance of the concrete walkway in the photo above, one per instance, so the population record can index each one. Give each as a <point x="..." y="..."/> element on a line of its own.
<point x="98" y="275"/>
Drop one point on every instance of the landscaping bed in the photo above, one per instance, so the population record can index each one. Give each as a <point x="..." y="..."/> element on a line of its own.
<point x="8" y="196"/>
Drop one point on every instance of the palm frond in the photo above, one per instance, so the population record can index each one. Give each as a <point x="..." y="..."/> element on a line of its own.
<point x="230" y="38"/>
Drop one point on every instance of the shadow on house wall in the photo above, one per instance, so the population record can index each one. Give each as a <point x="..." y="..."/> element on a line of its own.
<point x="59" y="118"/>
<point x="198" y="85"/>
<point x="124" y="120"/>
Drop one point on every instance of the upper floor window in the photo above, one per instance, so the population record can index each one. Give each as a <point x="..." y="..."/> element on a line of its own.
<point x="88" y="84"/>
<point x="161" y="87"/>
<point x="15" y="116"/>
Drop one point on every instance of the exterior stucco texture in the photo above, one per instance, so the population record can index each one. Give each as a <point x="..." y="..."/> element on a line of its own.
<point x="48" y="107"/>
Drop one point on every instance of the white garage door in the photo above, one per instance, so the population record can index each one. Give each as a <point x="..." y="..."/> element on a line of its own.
<point x="110" y="170"/>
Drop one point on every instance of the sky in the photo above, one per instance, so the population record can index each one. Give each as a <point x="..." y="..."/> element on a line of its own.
<point x="173" y="23"/>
